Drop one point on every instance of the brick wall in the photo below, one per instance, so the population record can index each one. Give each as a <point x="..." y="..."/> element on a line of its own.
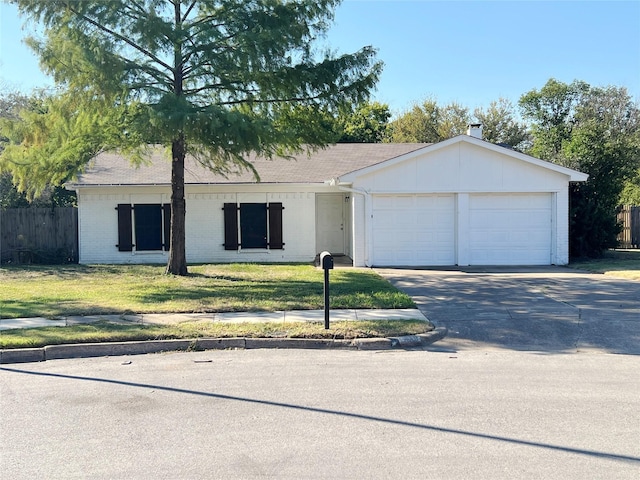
<point x="98" y="227"/>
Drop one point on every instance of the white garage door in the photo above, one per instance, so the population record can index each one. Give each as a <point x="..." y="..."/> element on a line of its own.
<point x="414" y="230"/>
<point x="510" y="229"/>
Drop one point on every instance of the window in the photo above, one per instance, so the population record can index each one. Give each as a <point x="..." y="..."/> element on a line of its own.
<point x="253" y="225"/>
<point x="148" y="227"/>
<point x="148" y="224"/>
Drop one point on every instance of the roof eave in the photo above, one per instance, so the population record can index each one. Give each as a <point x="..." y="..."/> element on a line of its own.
<point x="75" y="186"/>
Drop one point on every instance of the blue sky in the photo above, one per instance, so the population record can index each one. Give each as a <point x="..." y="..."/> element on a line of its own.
<point x="471" y="52"/>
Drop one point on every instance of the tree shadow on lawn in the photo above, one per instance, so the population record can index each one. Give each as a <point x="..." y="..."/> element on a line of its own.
<point x="270" y="295"/>
<point x="21" y="309"/>
<point x="75" y="271"/>
<point x="57" y="271"/>
<point x="252" y="296"/>
<point x="10" y="309"/>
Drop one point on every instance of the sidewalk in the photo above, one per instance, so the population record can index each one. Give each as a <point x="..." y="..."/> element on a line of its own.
<point x="230" y="317"/>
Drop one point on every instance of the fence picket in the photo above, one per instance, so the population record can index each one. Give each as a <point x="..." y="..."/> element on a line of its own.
<point x="629" y="217"/>
<point x="39" y="235"/>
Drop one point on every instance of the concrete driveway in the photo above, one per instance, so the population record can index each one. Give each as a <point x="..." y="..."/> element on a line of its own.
<point x="549" y="309"/>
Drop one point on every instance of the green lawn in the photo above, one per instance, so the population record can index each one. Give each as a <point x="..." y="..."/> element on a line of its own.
<point x="617" y="263"/>
<point x="103" y="331"/>
<point x="56" y="291"/>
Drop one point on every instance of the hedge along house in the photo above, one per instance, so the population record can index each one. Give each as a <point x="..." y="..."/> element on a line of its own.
<point x="462" y="201"/>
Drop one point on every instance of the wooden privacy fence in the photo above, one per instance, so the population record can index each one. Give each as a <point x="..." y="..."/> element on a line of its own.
<point x="39" y="235"/>
<point x="629" y="217"/>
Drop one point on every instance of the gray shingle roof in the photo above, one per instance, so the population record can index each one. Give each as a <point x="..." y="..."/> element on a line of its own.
<point x="320" y="166"/>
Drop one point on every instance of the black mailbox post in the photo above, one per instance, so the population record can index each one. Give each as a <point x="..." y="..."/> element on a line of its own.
<point x="326" y="262"/>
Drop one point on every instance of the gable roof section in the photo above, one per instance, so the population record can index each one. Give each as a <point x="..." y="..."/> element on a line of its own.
<point x="574" y="175"/>
<point x="341" y="163"/>
<point x="111" y="169"/>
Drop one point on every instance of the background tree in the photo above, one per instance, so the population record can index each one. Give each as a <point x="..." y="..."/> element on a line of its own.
<point x="551" y="113"/>
<point x="429" y="123"/>
<point x="454" y="120"/>
<point x="501" y="126"/>
<point x="12" y="105"/>
<point x="596" y="131"/>
<point x="366" y="124"/>
<point x="216" y="79"/>
<point x="631" y="192"/>
<point x="9" y="195"/>
<point x="417" y="125"/>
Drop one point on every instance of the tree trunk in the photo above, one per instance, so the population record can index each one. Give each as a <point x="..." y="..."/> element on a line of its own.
<point x="177" y="264"/>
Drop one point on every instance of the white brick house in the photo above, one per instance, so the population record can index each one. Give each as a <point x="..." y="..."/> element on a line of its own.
<point x="463" y="201"/>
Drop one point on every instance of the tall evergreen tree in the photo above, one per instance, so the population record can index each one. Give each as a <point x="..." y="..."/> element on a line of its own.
<point x="216" y="79"/>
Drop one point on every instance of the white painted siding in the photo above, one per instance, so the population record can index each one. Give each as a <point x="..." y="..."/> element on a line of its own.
<point x="358" y="223"/>
<point x="560" y="203"/>
<point x="461" y="167"/>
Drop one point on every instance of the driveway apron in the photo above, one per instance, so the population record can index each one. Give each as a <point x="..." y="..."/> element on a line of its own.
<point x="548" y="309"/>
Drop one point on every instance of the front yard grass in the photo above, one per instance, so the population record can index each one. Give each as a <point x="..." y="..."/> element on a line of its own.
<point x="103" y="331"/>
<point x="69" y="290"/>
<point x="616" y="263"/>
<point x="59" y="291"/>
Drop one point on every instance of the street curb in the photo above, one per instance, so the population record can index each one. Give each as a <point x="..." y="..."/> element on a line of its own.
<point x="304" y="343"/>
<point x="420" y="340"/>
<point x="22" y="355"/>
<point x="88" y="350"/>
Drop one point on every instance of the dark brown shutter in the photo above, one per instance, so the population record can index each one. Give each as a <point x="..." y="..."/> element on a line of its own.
<point x="230" y="226"/>
<point x="275" y="226"/>
<point x="166" y="210"/>
<point x="125" y="240"/>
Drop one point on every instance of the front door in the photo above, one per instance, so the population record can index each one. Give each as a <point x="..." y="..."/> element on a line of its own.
<point x="330" y="223"/>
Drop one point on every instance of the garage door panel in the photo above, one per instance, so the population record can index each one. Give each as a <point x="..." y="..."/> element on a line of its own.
<point x="414" y="230"/>
<point x="503" y="229"/>
<point x="537" y="218"/>
<point x="510" y="229"/>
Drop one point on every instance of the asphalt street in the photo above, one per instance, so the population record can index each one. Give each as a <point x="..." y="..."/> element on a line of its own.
<point x="314" y="414"/>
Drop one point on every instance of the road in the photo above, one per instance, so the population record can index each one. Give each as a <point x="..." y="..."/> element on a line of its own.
<point x="296" y="414"/>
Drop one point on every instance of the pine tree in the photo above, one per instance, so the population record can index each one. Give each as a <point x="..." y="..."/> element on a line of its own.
<point x="215" y="79"/>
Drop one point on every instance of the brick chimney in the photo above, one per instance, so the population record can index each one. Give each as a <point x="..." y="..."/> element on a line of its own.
<point x="475" y="130"/>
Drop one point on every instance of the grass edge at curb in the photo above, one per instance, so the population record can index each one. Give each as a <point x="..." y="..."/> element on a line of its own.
<point x="88" y="350"/>
<point x="105" y="331"/>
